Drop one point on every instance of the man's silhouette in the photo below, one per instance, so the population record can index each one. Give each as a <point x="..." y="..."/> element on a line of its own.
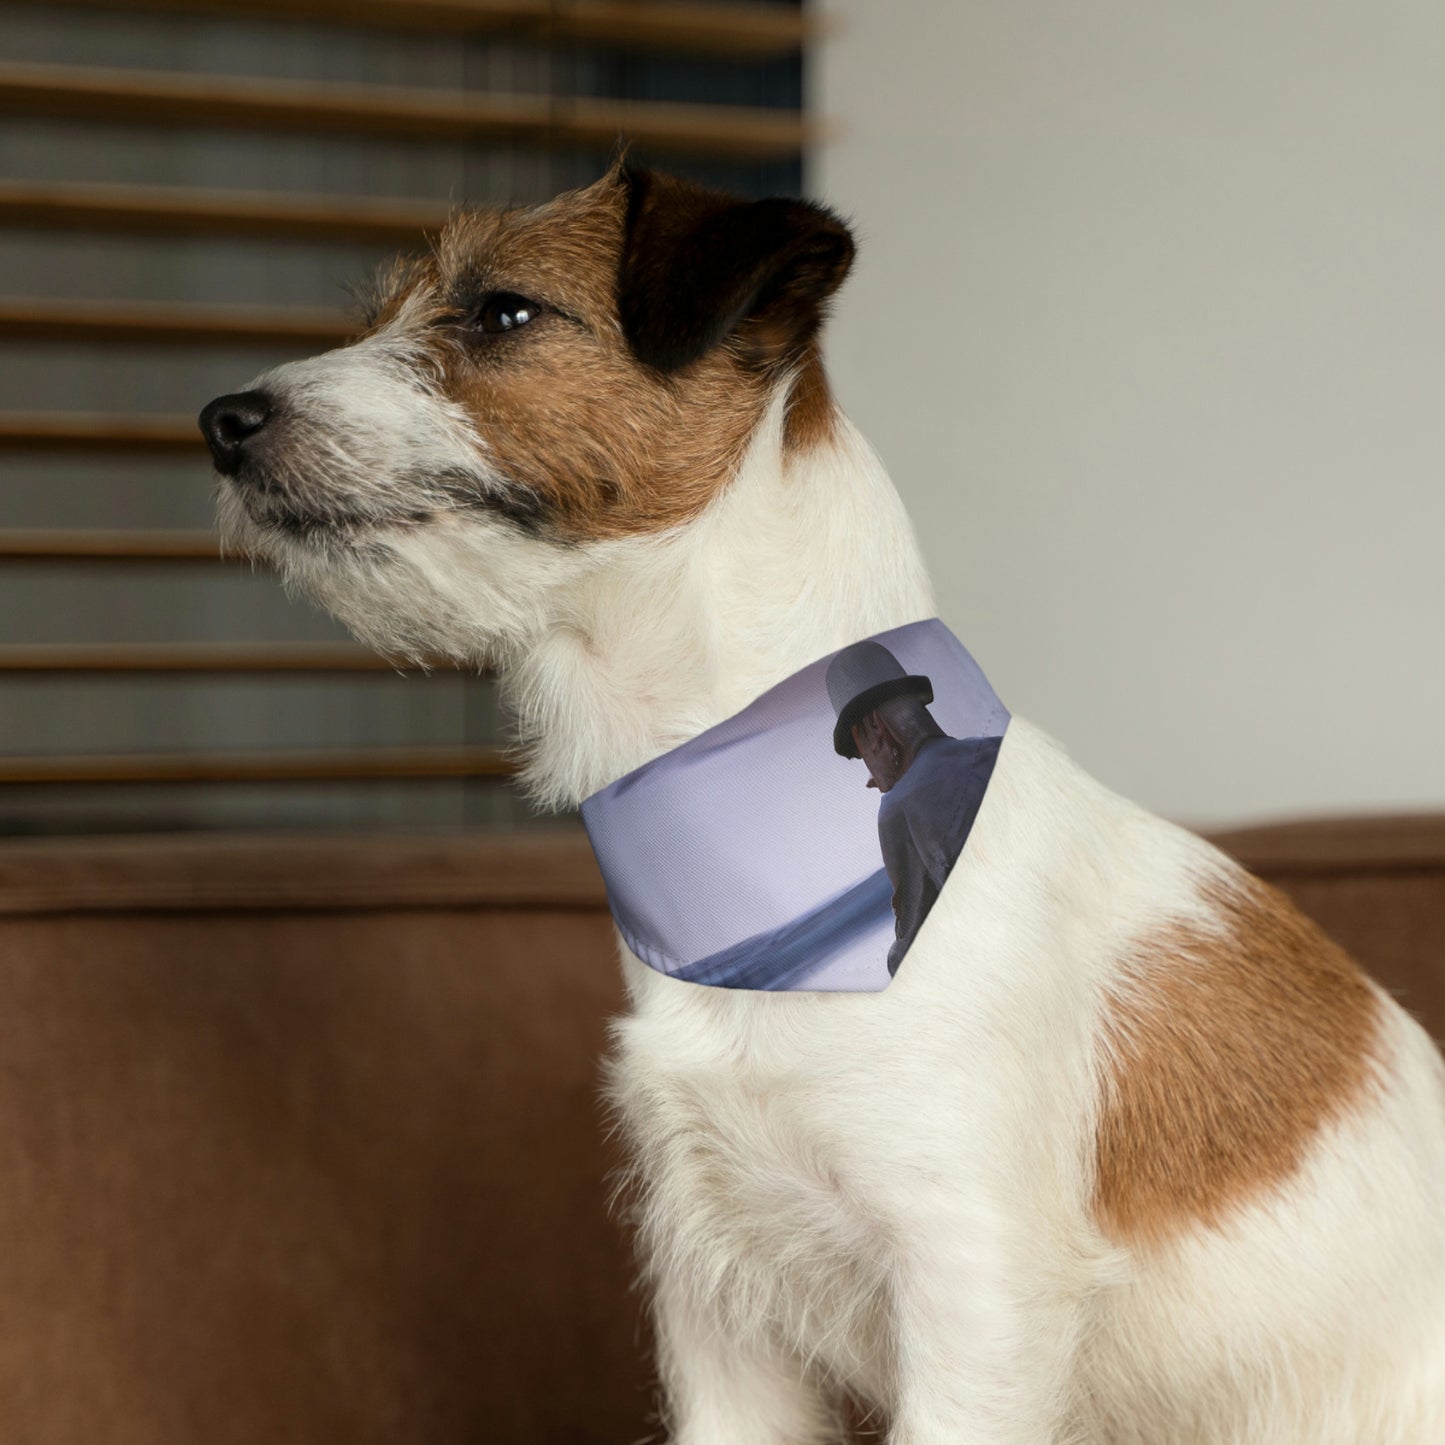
<point x="932" y="784"/>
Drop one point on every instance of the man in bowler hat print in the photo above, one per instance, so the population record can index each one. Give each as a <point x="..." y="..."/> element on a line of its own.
<point x="932" y="784"/>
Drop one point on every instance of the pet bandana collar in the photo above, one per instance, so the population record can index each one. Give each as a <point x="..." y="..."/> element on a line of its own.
<point x="760" y="854"/>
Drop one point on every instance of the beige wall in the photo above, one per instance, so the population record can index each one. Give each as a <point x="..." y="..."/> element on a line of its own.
<point x="1149" y="324"/>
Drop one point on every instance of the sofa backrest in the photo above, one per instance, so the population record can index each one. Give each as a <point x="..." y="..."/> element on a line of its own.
<point x="300" y="1139"/>
<point x="301" y="1143"/>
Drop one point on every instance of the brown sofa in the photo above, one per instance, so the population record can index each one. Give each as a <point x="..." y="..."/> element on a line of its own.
<point x="299" y="1139"/>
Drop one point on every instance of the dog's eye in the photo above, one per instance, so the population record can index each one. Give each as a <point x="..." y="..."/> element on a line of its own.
<point x="505" y="311"/>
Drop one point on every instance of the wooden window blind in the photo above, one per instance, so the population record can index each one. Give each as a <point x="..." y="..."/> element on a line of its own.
<point x="187" y="190"/>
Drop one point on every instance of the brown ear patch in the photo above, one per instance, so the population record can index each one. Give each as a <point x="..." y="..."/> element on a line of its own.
<point x="1226" y="1053"/>
<point x="699" y="267"/>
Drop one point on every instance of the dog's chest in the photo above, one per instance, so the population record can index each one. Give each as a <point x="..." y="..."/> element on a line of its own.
<point x="751" y="1185"/>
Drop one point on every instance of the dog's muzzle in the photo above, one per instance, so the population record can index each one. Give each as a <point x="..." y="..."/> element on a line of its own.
<point x="231" y="424"/>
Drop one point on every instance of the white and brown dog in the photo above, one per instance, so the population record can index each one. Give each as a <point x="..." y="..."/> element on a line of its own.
<point x="1129" y="1152"/>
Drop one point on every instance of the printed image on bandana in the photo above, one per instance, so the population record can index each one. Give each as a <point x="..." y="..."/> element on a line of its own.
<point x="801" y="843"/>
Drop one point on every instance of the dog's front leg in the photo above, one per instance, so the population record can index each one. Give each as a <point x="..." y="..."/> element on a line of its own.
<point x="723" y="1389"/>
<point x="985" y="1342"/>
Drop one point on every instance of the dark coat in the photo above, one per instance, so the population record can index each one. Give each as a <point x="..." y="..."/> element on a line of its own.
<point x="923" y="823"/>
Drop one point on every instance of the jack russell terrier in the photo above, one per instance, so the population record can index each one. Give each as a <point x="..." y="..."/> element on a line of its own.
<point x="1128" y="1153"/>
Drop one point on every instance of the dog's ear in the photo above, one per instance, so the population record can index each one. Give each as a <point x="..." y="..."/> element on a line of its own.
<point x="699" y="266"/>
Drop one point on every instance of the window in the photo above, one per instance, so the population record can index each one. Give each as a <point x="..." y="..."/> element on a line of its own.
<point x="188" y="192"/>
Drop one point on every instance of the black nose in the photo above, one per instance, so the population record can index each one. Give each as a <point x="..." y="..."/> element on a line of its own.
<point x="229" y="422"/>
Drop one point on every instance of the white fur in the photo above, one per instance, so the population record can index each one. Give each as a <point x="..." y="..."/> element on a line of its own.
<point x="889" y="1194"/>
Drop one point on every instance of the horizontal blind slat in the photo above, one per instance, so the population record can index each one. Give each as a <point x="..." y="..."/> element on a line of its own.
<point x="313" y="107"/>
<point x="205" y="657"/>
<point x="171" y="323"/>
<point x="196" y="212"/>
<point x="721" y="29"/>
<point x="110" y="546"/>
<point x="98" y="431"/>
<point x="258" y="767"/>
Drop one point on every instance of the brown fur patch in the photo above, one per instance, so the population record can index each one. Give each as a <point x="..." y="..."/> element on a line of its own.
<point x="1228" y="1052"/>
<point x="812" y="413"/>
<point x="597" y="443"/>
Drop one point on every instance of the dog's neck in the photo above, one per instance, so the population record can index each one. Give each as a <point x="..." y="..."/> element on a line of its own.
<point x="805" y="552"/>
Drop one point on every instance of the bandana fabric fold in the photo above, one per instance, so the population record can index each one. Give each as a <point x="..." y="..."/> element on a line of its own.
<point x="758" y="856"/>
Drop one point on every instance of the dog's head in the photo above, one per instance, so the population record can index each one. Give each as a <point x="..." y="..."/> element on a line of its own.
<point x="546" y="383"/>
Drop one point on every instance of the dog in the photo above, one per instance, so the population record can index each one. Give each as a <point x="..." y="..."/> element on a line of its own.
<point x="1128" y="1153"/>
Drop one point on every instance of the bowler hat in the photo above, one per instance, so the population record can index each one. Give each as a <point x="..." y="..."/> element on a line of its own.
<point x="859" y="678"/>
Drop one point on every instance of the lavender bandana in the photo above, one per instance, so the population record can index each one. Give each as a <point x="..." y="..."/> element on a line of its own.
<point x="759" y="855"/>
